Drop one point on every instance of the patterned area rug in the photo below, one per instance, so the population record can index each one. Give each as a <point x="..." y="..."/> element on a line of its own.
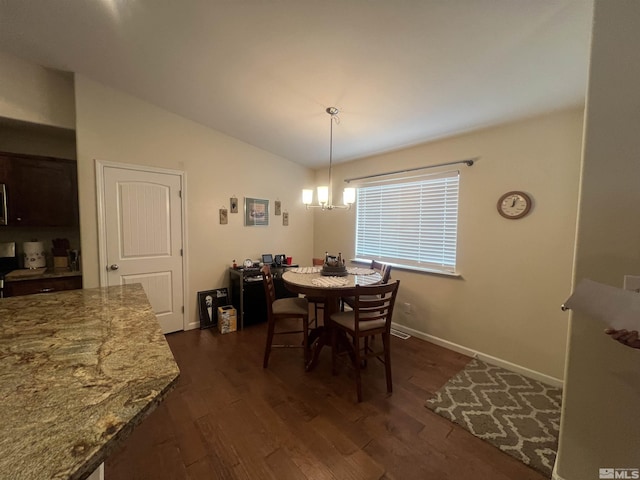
<point x="518" y="415"/>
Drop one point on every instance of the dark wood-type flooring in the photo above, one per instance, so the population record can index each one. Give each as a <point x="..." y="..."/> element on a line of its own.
<point x="228" y="418"/>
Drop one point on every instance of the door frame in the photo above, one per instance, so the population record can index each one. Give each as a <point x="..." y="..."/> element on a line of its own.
<point x="100" y="165"/>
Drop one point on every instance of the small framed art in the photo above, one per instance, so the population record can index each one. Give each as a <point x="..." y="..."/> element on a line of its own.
<point x="256" y="212"/>
<point x="224" y="218"/>
<point x="276" y="207"/>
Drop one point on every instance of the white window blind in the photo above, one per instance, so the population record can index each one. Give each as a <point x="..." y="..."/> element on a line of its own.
<point x="410" y="223"/>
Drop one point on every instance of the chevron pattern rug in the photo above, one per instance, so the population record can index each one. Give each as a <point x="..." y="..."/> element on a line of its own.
<point x="518" y="415"/>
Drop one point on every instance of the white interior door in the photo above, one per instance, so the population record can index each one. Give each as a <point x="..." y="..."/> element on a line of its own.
<point x="143" y="235"/>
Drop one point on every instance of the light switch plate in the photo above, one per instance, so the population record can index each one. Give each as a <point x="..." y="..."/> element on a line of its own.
<point x="632" y="282"/>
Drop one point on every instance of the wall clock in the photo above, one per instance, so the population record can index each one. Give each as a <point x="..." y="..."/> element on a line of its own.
<point x="514" y="205"/>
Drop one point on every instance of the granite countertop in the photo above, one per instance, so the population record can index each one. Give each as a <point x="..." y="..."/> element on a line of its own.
<point x="38" y="273"/>
<point x="78" y="370"/>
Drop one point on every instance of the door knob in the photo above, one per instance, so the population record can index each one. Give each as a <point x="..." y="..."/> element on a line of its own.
<point x="114" y="266"/>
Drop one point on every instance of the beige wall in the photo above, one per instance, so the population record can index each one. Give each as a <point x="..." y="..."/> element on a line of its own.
<point x="32" y="93"/>
<point x="600" y="421"/>
<point x="115" y="127"/>
<point x="515" y="274"/>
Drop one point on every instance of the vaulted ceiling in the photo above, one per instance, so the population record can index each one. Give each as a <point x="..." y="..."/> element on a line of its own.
<point x="263" y="71"/>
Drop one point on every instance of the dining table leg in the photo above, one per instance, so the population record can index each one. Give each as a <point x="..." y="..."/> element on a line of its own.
<point x="321" y="336"/>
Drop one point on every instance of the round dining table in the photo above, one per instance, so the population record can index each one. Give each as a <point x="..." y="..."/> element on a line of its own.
<point x="309" y="281"/>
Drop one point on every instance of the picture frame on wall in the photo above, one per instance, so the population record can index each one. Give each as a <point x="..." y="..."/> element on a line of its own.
<point x="233" y="204"/>
<point x="224" y="218"/>
<point x="276" y="207"/>
<point x="285" y="219"/>
<point x="256" y="212"/>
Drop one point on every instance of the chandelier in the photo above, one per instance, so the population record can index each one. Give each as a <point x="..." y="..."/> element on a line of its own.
<point x="324" y="192"/>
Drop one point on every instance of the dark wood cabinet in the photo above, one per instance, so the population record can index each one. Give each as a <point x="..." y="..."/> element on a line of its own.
<point x="41" y="191"/>
<point x="42" y="285"/>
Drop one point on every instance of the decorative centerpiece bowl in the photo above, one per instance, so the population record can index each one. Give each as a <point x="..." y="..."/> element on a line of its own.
<point x="333" y="267"/>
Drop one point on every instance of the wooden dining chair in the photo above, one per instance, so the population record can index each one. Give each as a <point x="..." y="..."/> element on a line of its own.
<point x="384" y="269"/>
<point x="281" y="309"/>
<point x="371" y="316"/>
<point x="316" y="301"/>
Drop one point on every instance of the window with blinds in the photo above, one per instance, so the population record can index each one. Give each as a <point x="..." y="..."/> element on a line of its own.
<point x="411" y="223"/>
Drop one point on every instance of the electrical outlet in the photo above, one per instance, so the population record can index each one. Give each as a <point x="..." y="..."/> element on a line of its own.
<point x="407" y="308"/>
<point x="632" y="282"/>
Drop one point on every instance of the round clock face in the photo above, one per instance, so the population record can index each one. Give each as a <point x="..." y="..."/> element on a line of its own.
<point x="513" y="205"/>
<point x="248" y="263"/>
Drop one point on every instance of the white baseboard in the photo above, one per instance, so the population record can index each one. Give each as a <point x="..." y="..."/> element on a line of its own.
<point x="98" y="474"/>
<point x="554" y="474"/>
<point x="541" y="377"/>
<point x="192" y="325"/>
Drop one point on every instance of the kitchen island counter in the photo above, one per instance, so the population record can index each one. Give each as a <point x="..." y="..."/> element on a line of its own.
<point x="79" y="370"/>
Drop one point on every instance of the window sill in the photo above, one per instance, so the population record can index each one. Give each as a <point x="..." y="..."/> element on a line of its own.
<point x="397" y="266"/>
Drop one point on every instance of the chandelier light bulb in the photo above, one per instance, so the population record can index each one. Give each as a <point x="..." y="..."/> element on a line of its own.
<point x="323" y="194"/>
<point x="307" y="196"/>
<point x="349" y="196"/>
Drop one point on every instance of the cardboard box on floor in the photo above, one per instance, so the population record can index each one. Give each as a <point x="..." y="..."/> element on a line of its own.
<point x="227" y="319"/>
